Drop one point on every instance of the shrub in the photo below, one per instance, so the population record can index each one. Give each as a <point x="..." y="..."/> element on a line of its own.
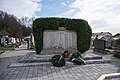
<point x="5" y="48"/>
<point x="117" y="44"/>
<point x="81" y="27"/>
<point x="77" y="59"/>
<point x="58" y="61"/>
<point x="2" y="44"/>
<point x="117" y="48"/>
<point x="117" y="54"/>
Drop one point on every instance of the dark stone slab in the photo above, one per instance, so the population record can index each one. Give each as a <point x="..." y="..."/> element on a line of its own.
<point x="2" y="52"/>
<point x="103" y="51"/>
<point x="98" y="61"/>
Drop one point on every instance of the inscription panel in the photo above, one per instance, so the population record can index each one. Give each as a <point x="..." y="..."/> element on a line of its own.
<point x="60" y="39"/>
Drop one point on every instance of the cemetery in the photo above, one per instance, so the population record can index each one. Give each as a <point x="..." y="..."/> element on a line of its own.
<point x="8" y="43"/>
<point x="58" y="45"/>
<point x="62" y="47"/>
<point x="63" y="41"/>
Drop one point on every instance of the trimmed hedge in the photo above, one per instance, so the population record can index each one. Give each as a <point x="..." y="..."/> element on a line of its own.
<point x="82" y="28"/>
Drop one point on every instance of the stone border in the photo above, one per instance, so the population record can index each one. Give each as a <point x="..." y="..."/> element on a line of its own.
<point x="36" y="64"/>
<point x="109" y="76"/>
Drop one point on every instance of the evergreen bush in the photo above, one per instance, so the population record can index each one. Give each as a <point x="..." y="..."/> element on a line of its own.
<point x="117" y="48"/>
<point x="81" y="27"/>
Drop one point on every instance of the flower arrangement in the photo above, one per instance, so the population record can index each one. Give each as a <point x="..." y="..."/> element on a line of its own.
<point x="32" y="46"/>
<point x="58" y="61"/>
<point x="77" y="59"/>
<point x="65" y="54"/>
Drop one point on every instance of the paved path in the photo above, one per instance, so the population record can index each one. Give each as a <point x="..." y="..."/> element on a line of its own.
<point x="48" y="72"/>
<point x="12" y="56"/>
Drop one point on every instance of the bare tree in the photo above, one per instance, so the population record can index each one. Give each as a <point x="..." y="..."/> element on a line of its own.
<point x="14" y="26"/>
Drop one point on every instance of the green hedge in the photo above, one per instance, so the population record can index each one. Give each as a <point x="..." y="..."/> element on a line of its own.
<point x="82" y="28"/>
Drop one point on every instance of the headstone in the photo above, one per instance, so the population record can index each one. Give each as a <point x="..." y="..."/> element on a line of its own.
<point x="3" y="40"/>
<point x="99" y="46"/>
<point x="13" y="40"/>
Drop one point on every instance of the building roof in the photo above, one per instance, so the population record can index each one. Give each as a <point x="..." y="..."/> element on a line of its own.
<point x="116" y="35"/>
<point x="101" y="33"/>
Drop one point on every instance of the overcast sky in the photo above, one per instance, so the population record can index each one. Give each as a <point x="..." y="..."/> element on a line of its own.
<point x="102" y="15"/>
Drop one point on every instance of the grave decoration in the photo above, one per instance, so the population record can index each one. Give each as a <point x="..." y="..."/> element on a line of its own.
<point x="65" y="54"/>
<point x="77" y="59"/>
<point x="58" y="61"/>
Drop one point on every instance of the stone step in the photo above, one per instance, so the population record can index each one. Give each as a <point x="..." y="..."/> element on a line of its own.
<point x="33" y="61"/>
<point x="48" y="59"/>
<point x="24" y="57"/>
<point x="92" y="58"/>
<point x="50" y="64"/>
<point x="98" y="61"/>
<point x="36" y="64"/>
<point x="28" y="64"/>
<point x="2" y="52"/>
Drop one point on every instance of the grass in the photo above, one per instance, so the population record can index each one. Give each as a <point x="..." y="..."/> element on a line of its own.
<point x="6" y="48"/>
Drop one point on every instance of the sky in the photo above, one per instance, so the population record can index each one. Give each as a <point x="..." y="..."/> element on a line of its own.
<point x="102" y="15"/>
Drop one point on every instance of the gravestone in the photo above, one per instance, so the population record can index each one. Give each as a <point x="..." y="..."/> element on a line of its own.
<point x="99" y="46"/>
<point x="59" y="40"/>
